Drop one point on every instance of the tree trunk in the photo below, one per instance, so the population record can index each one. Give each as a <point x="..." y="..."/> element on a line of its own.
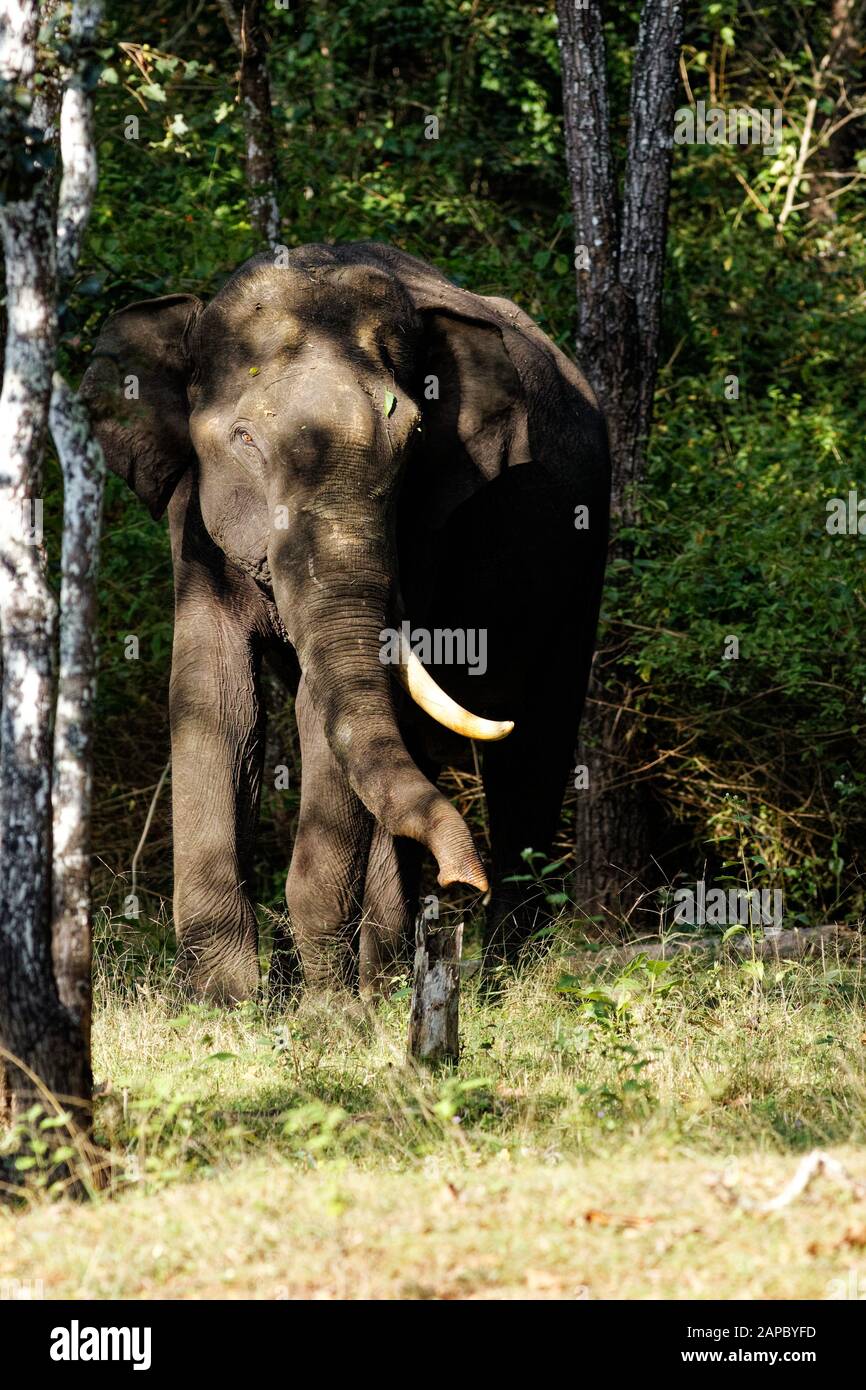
<point x="83" y="467"/>
<point x="619" y="259"/>
<point x="244" y="21"/>
<point x="434" y="1031"/>
<point x="38" y="1036"/>
<point x="83" y="474"/>
<point x="45" y="1019"/>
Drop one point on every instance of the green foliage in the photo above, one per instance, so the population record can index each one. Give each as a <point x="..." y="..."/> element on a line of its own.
<point x="44" y="1153"/>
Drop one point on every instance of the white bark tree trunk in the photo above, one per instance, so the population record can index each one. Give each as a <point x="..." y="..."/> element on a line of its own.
<point x="83" y="476"/>
<point x="44" y="1017"/>
<point x="34" y="1027"/>
<point x="83" y="467"/>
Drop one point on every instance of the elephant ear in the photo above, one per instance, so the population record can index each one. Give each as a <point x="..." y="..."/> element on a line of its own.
<point x="136" y="390"/>
<point x="506" y="394"/>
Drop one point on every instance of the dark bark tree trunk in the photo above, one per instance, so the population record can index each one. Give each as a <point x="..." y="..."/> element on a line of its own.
<point x="244" y="21"/>
<point x="619" y="260"/>
<point x="44" y="1019"/>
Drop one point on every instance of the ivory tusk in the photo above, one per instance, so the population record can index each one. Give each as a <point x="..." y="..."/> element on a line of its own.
<point x="433" y="700"/>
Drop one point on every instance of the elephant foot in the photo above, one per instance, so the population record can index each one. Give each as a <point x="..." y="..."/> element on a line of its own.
<point x="380" y="988"/>
<point x="220" y="974"/>
<point x="285" y="972"/>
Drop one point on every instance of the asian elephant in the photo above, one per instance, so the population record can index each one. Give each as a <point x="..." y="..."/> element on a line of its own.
<point x="347" y="443"/>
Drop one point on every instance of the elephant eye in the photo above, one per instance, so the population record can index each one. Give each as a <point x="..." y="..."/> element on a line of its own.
<point x="246" y="437"/>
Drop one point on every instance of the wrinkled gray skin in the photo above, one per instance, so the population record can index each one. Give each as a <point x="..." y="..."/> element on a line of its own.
<point x="307" y="513"/>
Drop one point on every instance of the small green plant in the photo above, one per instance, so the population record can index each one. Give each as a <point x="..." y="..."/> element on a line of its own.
<point x="540" y="875"/>
<point x="642" y="979"/>
<point x="37" y="1154"/>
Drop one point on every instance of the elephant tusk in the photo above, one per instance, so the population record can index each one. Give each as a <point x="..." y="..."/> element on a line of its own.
<point x="433" y="700"/>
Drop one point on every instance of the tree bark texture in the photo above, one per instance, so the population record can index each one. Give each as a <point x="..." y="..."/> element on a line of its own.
<point x="244" y="21"/>
<point x="45" y="965"/>
<point x="434" y="1033"/>
<point x="83" y="468"/>
<point x="37" y="1034"/>
<point x="83" y="475"/>
<point x="619" y="261"/>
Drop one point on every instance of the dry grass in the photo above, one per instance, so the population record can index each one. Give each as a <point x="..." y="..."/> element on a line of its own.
<point x="645" y="1227"/>
<point x="297" y="1155"/>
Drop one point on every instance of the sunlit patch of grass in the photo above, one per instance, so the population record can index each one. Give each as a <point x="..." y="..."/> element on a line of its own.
<point x="616" y="1075"/>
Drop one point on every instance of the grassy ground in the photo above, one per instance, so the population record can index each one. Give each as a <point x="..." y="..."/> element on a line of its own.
<point x="576" y="1152"/>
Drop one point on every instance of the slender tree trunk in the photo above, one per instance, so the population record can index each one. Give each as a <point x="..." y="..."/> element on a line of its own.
<point x="83" y="467"/>
<point x="35" y="1028"/>
<point x="244" y="21"/>
<point x="83" y="474"/>
<point x="619" y="259"/>
<point x="45" y="1016"/>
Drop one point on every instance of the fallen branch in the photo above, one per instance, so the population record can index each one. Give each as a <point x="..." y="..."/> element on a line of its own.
<point x="812" y="1166"/>
<point x="786" y="944"/>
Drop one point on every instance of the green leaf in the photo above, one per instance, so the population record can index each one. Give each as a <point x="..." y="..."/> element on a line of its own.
<point x="732" y="931"/>
<point x="552" y="868"/>
<point x="390" y="404"/>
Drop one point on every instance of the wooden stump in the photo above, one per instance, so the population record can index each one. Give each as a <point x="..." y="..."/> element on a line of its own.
<point x="434" y="1033"/>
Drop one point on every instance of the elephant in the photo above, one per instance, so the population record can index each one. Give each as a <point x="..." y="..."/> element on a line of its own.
<point x="352" y="450"/>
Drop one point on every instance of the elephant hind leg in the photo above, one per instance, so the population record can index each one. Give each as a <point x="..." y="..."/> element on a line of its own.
<point x="524" y="782"/>
<point x="390" y="905"/>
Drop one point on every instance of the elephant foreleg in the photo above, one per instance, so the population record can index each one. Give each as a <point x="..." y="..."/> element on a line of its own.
<point x="217" y="745"/>
<point x="326" y="878"/>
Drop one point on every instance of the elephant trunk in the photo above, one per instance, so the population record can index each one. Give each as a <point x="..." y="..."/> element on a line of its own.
<point x="333" y="586"/>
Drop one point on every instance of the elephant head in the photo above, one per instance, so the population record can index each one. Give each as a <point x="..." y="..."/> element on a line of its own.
<point x="301" y="396"/>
